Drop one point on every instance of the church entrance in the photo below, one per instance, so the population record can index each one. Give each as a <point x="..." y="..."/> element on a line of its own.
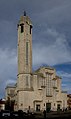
<point x="48" y="107"/>
<point x="37" y="107"/>
<point x="58" y="106"/>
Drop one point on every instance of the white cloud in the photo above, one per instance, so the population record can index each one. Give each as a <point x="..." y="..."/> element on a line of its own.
<point x="66" y="80"/>
<point x="8" y="68"/>
<point x="51" y="50"/>
<point x="51" y="54"/>
<point x="64" y="74"/>
<point x="54" y="12"/>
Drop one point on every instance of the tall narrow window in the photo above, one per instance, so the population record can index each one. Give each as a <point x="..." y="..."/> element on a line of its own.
<point x="22" y="28"/>
<point x="30" y="29"/>
<point x="49" y="86"/>
<point x="27" y="81"/>
<point x="26" y="53"/>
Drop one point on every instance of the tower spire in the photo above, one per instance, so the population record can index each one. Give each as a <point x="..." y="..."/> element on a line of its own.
<point x="24" y="13"/>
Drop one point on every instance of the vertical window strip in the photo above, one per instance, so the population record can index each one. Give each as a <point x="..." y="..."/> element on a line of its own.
<point x="48" y="86"/>
<point x="26" y="53"/>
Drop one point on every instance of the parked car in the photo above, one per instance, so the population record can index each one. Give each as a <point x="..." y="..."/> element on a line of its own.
<point x="5" y="113"/>
<point x="14" y="115"/>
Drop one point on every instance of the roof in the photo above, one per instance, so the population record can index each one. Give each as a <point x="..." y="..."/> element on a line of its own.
<point x="63" y="91"/>
<point x="41" y="74"/>
<point x="24" y="19"/>
<point x="69" y="95"/>
<point x="43" y="67"/>
<point x="12" y="85"/>
<point x="58" y="77"/>
<point x="2" y="101"/>
<point x="54" y="78"/>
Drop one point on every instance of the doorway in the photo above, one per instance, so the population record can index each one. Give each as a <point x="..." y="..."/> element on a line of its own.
<point x="58" y="106"/>
<point x="37" y="107"/>
<point x="48" y="107"/>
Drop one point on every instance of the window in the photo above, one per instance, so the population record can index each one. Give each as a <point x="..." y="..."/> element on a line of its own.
<point x="55" y="83"/>
<point x="27" y="81"/>
<point x="22" y="28"/>
<point x="43" y="82"/>
<point x="48" y="86"/>
<point x="11" y="92"/>
<point x="30" y="29"/>
<point x="54" y="104"/>
<point x="26" y="53"/>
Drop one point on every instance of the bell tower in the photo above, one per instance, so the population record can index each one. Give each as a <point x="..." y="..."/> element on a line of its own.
<point x="24" y="45"/>
<point x="24" y="82"/>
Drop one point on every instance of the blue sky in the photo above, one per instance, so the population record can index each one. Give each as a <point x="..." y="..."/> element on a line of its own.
<point x="51" y="38"/>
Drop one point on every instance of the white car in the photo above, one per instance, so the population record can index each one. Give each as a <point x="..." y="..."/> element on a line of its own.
<point x="5" y="113"/>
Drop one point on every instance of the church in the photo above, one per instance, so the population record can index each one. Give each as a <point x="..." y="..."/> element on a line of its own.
<point x="34" y="90"/>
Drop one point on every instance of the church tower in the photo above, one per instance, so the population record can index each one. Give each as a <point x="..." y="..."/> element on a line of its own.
<point x="24" y="60"/>
<point x="24" y="45"/>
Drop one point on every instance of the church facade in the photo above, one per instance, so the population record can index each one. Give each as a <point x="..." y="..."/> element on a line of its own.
<point x="38" y="90"/>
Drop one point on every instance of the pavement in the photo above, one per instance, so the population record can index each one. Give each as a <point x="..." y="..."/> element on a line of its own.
<point x="39" y="115"/>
